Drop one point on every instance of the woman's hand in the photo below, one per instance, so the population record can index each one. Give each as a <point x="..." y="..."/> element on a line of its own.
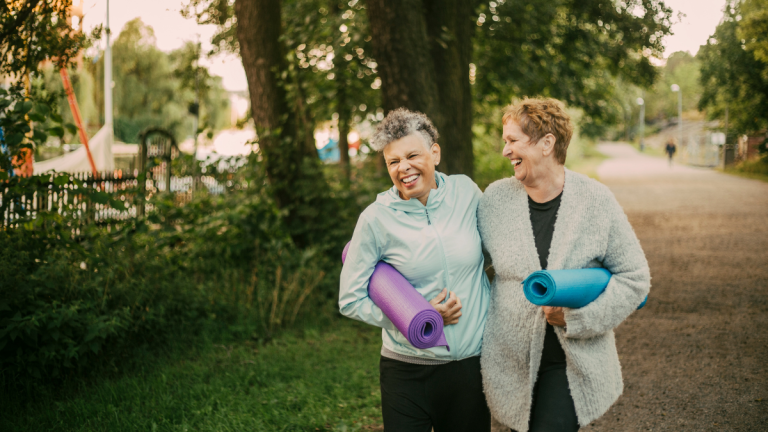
<point x="450" y="310"/>
<point x="555" y="315"/>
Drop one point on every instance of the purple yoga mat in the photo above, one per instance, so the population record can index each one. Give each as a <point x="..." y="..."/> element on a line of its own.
<point x="411" y="313"/>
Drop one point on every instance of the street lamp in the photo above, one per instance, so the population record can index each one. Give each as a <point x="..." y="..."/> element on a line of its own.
<point x="676" y="88"/>
<point x="641" y="102"/>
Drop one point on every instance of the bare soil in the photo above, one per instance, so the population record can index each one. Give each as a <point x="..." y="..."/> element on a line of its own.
<point x="696" y="357"/>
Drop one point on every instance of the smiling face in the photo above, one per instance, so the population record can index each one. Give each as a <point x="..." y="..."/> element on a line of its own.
<point x="411" y="166"/>
<point x="530" y="160"/>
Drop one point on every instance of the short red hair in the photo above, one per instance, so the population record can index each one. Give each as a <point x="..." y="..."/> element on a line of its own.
<point x="538" y="117"/>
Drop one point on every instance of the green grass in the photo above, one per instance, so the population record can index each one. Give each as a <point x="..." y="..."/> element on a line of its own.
<point x="302" y="381"/>
<point x="587" y="161"/>
<point x="754" y="169"/>
<point x="749" y="175"/>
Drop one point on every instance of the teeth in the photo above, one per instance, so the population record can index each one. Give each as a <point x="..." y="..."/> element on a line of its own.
<point x="516" y="162"/>
<point x="410" y="178"/>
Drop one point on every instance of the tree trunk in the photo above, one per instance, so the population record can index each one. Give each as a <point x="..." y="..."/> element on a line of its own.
<point x="285" y="137"/>
<point x="450" y="27"/>
<point x="423" y="50"/>
<point x="402" y="52"/>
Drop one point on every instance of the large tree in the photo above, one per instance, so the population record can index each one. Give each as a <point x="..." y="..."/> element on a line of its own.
<point x="732" y="76"/>
<point x="285" y="135"/>
<point x="566" y="49"/>
<point x="423" y="50"/>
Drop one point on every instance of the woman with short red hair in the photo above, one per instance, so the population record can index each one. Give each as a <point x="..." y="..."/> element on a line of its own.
<point x="549" y="368"/>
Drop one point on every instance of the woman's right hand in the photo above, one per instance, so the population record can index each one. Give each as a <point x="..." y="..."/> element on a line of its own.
<point x="450" y="310"/>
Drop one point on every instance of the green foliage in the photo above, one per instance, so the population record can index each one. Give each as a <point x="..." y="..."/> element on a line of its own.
<point x="156" y="89"/>
<point x="335" y="67"/>
<point x="752" y="168"/>
<point x="220" y="259"/>
<point x="732" y="77"/>
<point x="660" y="101"/>
<point x="34" y="31"/>
<point x="73" y="303"/>
<point x="753" y="29"/>
<point x="26" y="123"/>
<point x="569" y="50"/>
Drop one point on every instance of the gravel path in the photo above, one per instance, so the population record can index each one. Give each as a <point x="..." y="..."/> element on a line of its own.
<point x="696" y="357"/>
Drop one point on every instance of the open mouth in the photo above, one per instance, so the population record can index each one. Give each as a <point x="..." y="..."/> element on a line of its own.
<point x="516" y="162"/>
<point x="410" y="180"/>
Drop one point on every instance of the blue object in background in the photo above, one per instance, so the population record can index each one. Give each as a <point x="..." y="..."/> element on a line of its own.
<point x="4" y="149"/>
<point x="567" y="288"/>
<point x="330" y="151"/>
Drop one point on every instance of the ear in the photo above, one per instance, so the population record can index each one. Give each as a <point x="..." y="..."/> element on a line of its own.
<point x="435" y="150"/>
<point x="548" y="144"/>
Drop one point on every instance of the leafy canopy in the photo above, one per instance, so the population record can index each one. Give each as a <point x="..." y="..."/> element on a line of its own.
<point x="568" y="49"/>
<point x="732" y="75"/>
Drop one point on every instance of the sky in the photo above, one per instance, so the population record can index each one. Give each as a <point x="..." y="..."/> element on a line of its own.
<point x="172" y="30"/>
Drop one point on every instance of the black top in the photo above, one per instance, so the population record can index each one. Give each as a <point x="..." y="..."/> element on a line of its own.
<point x="543" y="217"/>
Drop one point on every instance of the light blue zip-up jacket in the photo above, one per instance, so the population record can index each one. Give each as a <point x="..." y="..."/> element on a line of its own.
<point x="434" y="246"/>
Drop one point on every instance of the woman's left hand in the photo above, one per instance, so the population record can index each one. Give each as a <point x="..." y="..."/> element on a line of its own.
<point x="555" y="315"/>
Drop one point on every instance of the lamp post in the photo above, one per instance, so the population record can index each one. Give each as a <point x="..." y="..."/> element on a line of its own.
<point x="676" y="88"/>
<point x="641" y="102"/>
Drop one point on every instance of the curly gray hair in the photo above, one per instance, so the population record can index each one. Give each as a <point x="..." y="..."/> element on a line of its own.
<point x="399" y="124"/>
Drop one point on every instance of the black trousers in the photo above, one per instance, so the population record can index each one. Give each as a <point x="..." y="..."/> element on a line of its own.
<point x="552" y="409"/>
<point x="447" y="397"/>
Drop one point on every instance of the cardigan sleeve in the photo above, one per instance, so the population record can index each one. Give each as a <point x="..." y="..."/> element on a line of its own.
<point x="363" y="255"/>
<point x="629" y="285"/>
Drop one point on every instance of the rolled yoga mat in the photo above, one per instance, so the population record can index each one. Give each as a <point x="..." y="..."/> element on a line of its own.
<point x="567" y="288"/>
<point x="408" y="310"/>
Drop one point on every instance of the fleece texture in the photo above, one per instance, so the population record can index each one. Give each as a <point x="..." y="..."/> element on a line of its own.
<point x="591" y="231"/>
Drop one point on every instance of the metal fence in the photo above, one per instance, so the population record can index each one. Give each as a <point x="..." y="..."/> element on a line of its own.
<point x="69" y="201"/>
<point x="699" y="150"/>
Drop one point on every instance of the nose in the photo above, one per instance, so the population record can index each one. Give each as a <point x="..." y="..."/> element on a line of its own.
<point x="404" y="166"/>
<point x="507" y="150"/>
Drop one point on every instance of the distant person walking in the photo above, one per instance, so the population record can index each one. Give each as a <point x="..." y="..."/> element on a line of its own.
<point x="670" y="149"/>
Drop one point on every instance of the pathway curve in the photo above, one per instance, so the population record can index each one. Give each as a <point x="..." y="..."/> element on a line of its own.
<point x="696" y="357"/>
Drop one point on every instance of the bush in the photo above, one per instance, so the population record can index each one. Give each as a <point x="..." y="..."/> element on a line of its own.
<point x="219" y="262"/>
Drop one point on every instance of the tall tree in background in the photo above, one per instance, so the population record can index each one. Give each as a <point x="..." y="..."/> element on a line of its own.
<point x="732" y="77"/>
<point x="566" y="49"/>
<point x="571" y="50"/>
<point x="286" y="140"/>
<point x="423" y="50"/>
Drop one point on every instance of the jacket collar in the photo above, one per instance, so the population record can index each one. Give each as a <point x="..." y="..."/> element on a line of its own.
<point x="391" y="198"/>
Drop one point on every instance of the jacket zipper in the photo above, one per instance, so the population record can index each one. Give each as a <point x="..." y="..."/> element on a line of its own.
<point x="442" y="258"/>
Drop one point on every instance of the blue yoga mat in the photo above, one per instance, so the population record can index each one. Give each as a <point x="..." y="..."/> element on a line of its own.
<point x="567" y="288"/>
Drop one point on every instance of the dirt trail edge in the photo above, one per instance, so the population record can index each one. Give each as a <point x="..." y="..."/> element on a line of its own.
<point x="696" y="357"/>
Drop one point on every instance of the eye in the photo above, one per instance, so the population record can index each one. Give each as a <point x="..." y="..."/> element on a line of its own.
<point x="412" y="156"/>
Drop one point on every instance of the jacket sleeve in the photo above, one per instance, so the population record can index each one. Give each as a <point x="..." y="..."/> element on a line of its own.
<point x="363" y="255"/>
<point x="629" y="285"/>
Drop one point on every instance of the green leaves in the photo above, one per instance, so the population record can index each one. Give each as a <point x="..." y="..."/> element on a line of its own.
<point x="71" y="128"/>
<point x="61" y="180"/>
<point x="56" y="131"/>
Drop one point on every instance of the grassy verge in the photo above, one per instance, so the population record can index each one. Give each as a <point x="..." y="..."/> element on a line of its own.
<point x="587" y="163"/>
<point x="754" y="169"/>
<point x="749" y="175"/>
<point x="304" y="381"/>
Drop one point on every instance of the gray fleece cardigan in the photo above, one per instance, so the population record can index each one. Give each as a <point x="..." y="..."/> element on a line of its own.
<point x="591" y="230"/>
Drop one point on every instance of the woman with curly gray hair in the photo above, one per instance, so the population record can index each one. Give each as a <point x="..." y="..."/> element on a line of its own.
<point x="425" y="226"/>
